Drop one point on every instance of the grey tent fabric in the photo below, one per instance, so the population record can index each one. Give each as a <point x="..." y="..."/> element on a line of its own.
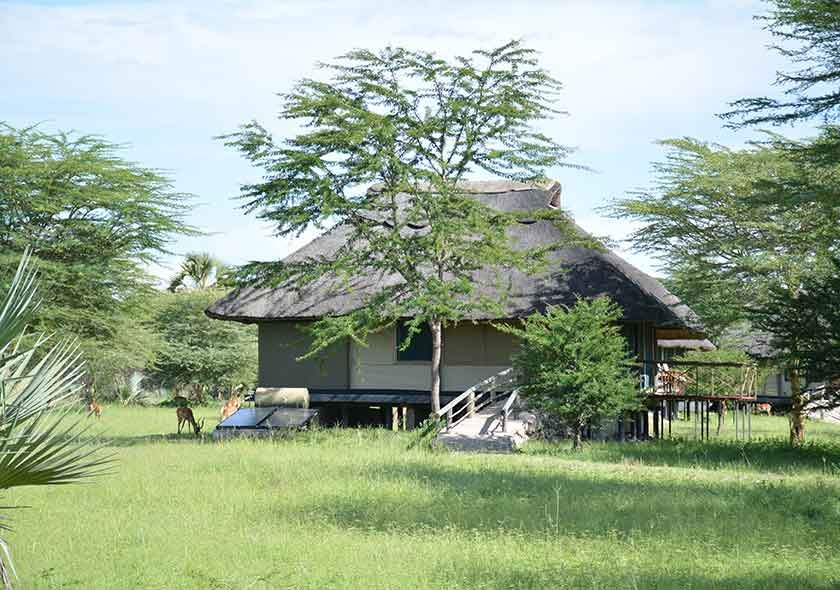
<point x="572" y="272"/>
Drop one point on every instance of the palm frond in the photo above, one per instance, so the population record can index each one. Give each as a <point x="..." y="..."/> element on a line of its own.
<point x="39" y="442"/>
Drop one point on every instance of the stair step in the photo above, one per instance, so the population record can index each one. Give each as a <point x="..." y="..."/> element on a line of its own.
<point x="482" y="433"/>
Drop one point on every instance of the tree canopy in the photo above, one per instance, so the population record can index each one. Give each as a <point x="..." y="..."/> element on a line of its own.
<point x="197" y="353"/>
<point x="574" y="364"/>
<point x="742" y="230"/>
<point x="415" y="125"/>
<point x="808" y="34"/>
<point x="199" y="270"/>
<point x="93" y="221"/>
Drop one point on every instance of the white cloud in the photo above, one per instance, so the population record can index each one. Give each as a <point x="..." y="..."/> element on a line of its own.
<point x="169" y="76"/>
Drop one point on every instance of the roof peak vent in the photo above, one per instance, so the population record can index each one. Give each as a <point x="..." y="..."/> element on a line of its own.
<point x="554" y="189"/>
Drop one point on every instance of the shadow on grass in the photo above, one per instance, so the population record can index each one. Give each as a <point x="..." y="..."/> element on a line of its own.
<point x="145" y="439"/>
<point x="774" y="455"/>
<point x="652" y="576"/>
<point x="487" y="498"/>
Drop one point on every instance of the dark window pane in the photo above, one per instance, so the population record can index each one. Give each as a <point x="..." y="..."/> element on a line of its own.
<point x="420" y="348"/>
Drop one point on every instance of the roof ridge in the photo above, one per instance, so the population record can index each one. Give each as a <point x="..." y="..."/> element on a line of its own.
<point x="490" y="187"/>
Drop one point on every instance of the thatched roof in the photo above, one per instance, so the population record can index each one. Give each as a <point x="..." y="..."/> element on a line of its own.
<point x="686" y="343"/>
<point x="755" y="343"/>
<point x="573" y="272"/>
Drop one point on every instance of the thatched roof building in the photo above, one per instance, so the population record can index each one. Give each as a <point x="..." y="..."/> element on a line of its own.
<point x="366" y="384"/>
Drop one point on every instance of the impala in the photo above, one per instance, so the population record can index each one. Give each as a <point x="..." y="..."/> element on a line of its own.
<point x="231" y="405"/>
<point x="185" y="415"/>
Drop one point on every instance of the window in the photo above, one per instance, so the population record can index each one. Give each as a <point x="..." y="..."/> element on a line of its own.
<point x="420" y="348"/>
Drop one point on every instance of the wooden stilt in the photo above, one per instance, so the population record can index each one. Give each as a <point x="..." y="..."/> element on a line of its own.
<point x="395" y="418"/>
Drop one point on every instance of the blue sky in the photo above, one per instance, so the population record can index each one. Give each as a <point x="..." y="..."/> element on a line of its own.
<point x="166" y="77"/>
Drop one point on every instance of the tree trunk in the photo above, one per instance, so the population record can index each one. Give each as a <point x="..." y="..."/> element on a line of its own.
<point x="577" y="440"/>
<point x="797" y="409"/>
<point x="437" y="350"/>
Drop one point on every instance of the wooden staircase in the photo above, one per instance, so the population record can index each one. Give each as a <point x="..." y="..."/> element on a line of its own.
<point x="483" y="418"/>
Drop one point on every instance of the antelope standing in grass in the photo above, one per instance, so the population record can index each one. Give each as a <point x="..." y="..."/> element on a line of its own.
<point x="94" y="408"/>
<point x="763" y="409"/>
<point x="231" y="405"/>
<point x="185" y="416"/>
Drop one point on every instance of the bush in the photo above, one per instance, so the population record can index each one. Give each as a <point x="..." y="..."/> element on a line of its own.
<point x="573" y="364"/>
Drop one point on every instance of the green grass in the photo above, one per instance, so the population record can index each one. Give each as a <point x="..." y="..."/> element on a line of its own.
<point x="355" y="509"/>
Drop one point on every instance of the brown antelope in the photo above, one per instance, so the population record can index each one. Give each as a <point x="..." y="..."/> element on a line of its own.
<point x="185" y="416"/>
<point x="231" y="405"/>
<point x="763" y="409"/>
<point x="94" y="408"/>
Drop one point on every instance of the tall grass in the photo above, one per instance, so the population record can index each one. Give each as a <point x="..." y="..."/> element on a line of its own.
<point x="359" y="509"/>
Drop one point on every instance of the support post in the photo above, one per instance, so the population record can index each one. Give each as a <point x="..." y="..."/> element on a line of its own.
<point x="409" y="418"/>
<point x="749" y="422"/>
<point x="395" y="418"/>
<point x="656" y="421"/>
<point x="695" y="417"/>
<point x="735" y="409"/>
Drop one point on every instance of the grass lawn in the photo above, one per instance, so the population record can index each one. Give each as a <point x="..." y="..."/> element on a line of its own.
<point x="355" y="509"/>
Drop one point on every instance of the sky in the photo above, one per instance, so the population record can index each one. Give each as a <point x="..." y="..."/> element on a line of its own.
<point x="165" y="78"/>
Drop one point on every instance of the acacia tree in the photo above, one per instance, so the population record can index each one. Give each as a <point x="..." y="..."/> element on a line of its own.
<point x="805" y="324"/>
<point x="573" y="364"/>
<point x="93" y="221"/>
<point x="197" y="352"/>
<point x="758" y="223"/>
<point x="417" y="126"/>
<point x="808" y="32"/>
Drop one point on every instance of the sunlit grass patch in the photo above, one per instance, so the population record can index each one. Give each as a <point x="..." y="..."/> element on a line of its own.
<point x="356" y="508"/>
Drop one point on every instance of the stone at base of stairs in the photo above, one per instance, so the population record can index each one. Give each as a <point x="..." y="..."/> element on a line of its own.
<point x="495" y="442"/>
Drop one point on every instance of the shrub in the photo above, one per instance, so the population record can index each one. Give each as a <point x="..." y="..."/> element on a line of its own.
<point x="573" y="364"/>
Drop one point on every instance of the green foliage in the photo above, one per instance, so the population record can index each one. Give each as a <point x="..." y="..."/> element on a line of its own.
<point x="745" y="233"/>
<point x="809" y="36"/>
<point x="726" y="380"/>
<point x="417" y="126"/>
<point x="805" y="323"/>
<point x="39" y="381"/>
<point x="132" y="392"/>
<point x="424" y="435"/>
<point x="573" y="364"/>
<point x="200" y="270"/>
<point x="92" y="220"/>
<point x="199" y="353"/>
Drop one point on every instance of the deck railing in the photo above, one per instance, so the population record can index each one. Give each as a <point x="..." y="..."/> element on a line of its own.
<point x="677" y="378"/>
<point x="695" y="389"/>
<point x="504" y="413"/>
<point x="476" y="397"/>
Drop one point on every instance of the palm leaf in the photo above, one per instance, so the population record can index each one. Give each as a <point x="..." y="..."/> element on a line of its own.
<point x="40" y="443"/>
